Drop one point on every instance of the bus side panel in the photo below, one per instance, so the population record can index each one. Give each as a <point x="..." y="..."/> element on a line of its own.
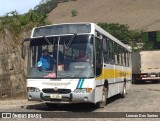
<point x="116" y="77"/>
<point x="111" y="74"/>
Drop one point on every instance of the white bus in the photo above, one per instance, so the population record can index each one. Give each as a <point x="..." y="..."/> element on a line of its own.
<point x="104" y="72"/>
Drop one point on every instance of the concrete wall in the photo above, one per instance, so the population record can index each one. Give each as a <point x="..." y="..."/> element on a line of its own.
<point x="12" y="77"/>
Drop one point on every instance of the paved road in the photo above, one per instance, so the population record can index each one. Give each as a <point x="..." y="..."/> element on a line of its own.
<point x="140" y="98"/>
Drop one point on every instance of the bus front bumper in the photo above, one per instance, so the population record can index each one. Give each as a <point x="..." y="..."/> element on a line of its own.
<point x="64" y="98"/>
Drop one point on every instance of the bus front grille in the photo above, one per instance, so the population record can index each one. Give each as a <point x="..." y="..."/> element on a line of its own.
<point x="59" y="91"/>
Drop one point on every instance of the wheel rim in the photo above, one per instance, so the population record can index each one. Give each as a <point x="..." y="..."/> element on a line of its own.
<point x="124" y="90"/>
<point x="104" y="96"/>
<point x="103" y="102"/>
<point x="123" y="94"/>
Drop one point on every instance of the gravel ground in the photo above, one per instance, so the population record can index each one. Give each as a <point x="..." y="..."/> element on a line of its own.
<point x="140" y="98"/>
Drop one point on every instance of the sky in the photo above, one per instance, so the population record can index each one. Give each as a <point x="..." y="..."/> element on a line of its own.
<point x="22" y="6"/>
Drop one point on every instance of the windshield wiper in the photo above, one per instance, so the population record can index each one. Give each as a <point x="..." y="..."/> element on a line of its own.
<point x="70" y="41"/>
<point x="47" y="40"/>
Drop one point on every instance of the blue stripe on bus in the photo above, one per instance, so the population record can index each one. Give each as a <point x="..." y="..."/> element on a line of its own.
<point x="82" y="81"/>
<point x="78" y="83"/>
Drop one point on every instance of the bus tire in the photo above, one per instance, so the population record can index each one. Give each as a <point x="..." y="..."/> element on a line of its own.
<point x="123" y="94"/>
<point x="102" y="103"/>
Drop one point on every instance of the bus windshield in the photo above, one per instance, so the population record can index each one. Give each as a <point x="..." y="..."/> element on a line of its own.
<point x="69" y="56"/>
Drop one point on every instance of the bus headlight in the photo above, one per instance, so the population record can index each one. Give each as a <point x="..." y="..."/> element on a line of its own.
<point x="33" y="89"/>
<point x="83" y="90"/>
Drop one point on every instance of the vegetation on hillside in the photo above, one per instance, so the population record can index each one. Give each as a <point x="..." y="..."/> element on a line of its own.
<point x="19" y="26"/>
<point x="74" y="12"/>
<point x="16" y="23"/>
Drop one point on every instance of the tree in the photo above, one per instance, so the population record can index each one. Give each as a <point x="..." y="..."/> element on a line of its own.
<point x="122" y="32"/>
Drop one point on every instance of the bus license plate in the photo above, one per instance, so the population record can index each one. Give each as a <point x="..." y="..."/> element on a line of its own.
<point x="56" y="96"/>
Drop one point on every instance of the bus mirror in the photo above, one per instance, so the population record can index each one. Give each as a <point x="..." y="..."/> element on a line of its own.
<point x="24" y="47"/>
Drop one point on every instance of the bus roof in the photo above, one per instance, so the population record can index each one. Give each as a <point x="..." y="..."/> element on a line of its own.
<point x="84" y="28"/>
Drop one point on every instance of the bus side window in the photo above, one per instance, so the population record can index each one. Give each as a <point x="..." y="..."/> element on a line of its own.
<point x="111" y="51"/>
<point x="98" y="57"/>
<point x="106" y="51"/>
<point x="120" y="56"/>
<point x="125" y="57"/>
<point x="116" y="54"/>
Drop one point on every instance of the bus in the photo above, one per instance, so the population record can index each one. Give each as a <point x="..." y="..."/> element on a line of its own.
<point x="106" y="71"/>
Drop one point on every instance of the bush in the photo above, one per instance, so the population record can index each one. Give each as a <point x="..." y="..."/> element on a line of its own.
<point x="18" y="24"/>
<point x="74" y="12"/>
<point x="46" y="6"/>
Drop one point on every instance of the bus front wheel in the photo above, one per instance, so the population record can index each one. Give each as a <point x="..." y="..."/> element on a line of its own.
<point x="102" y="103"/>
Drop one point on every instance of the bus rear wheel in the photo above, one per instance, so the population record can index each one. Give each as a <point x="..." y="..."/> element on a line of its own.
<point x="123" y="94"/>
<point x="102" y="103"/>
